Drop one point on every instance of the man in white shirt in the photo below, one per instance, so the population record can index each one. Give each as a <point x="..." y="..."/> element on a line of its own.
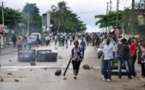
<point x="55" y="38"/>
<point x="29" y="42"/>
<point x="109" y="55"/>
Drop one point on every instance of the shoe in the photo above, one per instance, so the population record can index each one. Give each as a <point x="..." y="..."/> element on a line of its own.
<point x="75" y="77"/>
<point x="130" y="78"/>
<point x="108" y="80"/>
<point x="103" y="79"/>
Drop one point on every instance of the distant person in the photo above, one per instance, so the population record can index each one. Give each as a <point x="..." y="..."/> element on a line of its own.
<point x="38" y="40"/>
<point x="133" y="49"/>
<point x="29" y="42"/>
<point x="83" y="47"/>
<point x="20" y="43"/>
<point x="109" y="55"/>
<point x="142" y="48"/>
<point x="42" y="40"/>
<point x="56" y="39"/>
<point x="97" y="40"/>
<point x="76" y="58"/>
<point x="66" y="39"/>
<point x="14" y="40"/>
<point x="71" y="39"/>
<point x="47" y="40"/>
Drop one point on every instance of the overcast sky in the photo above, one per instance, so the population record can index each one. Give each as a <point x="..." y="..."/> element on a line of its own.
<point x="86" y="9"/>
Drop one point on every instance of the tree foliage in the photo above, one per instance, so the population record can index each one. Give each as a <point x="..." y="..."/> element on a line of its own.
<point x="108" y="19"/>
<point x="31" y="12"/>
<point x="64" y="20"/>
<point x="11" y="17"/>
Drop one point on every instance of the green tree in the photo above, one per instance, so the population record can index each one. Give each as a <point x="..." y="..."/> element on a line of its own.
<point x="31" y="12"/>
<point x="64" y="20"/>
<point x="108" y="19"/>
<point x="11" y="17"/>
<point x="58" y="15"/>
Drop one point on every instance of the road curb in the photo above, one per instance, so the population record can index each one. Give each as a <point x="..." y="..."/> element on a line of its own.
<point x="7" y="53"/>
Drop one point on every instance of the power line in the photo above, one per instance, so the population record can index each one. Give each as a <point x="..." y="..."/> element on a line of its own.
<point x="123" y="2"/>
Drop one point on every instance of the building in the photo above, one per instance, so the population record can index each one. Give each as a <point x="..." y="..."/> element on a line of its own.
<point x="46" y="21"/>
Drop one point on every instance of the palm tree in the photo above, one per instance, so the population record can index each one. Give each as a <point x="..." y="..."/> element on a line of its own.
<point x="59" y="15"/>
<point x="102" y="20"/>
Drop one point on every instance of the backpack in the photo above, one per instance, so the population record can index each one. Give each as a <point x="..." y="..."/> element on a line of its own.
<point x="123" y="51"/>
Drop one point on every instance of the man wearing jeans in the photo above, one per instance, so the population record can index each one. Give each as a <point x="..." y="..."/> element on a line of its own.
<point x="133" y="49"/>
<point x="109" y="55"/>
<point x="123" y="54"/>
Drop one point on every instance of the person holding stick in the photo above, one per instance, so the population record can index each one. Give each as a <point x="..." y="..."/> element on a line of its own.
<point x="76" y="58"/>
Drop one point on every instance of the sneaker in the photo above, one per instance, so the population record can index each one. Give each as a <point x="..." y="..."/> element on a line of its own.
<point x="132" y="76"/>
<point x="108" y="80"/>
<point x="103" y="79"/>
<point x="75" y="77"/>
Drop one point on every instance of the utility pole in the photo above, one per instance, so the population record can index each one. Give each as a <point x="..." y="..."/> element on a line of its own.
<point x="107" y="8"/>
<point x="110" y="5"/>
<point x="3" y="20"/>
<point x="106" y="14"/>
<point x="133" y="4"/>
<point x="117" y="9"/>
<point x="144" y="4"/>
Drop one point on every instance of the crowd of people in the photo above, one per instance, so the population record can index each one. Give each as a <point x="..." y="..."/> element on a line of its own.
<point x="128" y="51"/>
<point x="60" y="39"/>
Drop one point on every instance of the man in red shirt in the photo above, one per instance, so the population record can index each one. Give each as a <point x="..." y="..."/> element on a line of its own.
<point x="133" y="49"/>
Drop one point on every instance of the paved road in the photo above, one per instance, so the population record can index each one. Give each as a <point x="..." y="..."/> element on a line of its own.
<point x="36" y="78"/>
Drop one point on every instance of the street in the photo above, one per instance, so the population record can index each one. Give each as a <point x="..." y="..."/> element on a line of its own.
<point x="22" y="76"/>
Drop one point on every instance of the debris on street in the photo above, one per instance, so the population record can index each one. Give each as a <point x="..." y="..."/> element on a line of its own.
<point x="58" y="72"/>
<point x="86" y="67"/>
